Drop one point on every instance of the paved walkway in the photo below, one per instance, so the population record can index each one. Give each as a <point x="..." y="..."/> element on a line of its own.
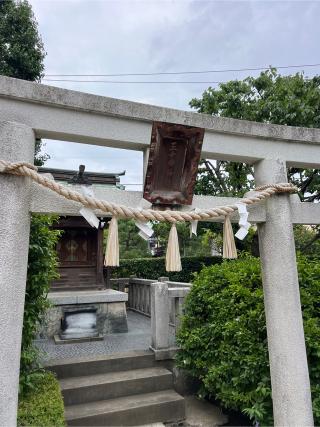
<point x="137" y="338"/>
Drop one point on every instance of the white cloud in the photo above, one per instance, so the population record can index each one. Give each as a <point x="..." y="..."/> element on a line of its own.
<point x="89" y="36"/>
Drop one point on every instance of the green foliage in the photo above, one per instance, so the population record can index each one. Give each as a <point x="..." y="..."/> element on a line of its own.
<point x="223" y="336"/>
<point x="307" y="239"/>
<point x="42" y="269"/>
<point x="270" y="98"/>
<point x="42" y="406"/>
<point x="21" y="48"/>
<point x="189" y="246"/>
<point x="131" y="245"/>
<point x="152" y="268"/>
<point x="285" y="100"/>
<point x="292" y="100"/>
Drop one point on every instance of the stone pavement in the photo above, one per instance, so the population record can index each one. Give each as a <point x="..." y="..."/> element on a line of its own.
<point x="137" y="338"/>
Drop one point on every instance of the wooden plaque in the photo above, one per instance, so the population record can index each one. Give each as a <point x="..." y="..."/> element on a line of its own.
<point x="173" y="164"/>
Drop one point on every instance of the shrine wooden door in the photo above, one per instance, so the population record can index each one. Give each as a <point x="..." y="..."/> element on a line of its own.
<point x="77" y="252"/>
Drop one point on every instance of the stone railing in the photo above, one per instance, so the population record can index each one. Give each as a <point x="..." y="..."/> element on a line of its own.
<point x="166" y="309"/>
<point x="161" y="300"/>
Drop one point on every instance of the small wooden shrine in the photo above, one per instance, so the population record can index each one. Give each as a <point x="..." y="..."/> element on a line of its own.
<point x="80" y="247"/>
<point x="80" y="251"/>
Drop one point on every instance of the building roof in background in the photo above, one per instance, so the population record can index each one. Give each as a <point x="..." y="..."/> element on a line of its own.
<point x="83" y="177"/>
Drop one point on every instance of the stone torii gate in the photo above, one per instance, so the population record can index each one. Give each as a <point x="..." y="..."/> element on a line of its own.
<point x="29" y="110"/>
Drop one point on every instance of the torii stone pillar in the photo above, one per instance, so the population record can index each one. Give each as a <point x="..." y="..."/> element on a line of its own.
<point x="287" y="352"/>
<point x="17" y="143"/>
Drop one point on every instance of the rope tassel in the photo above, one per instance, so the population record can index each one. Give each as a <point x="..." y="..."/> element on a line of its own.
<point x="112" y="252"/>
<point x="173" y="260"/>
<point x="229" y="246"/>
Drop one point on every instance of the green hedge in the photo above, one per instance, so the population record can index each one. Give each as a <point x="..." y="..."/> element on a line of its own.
<point x="42" y="405"/>
<point x="223" y="336"/>
<point x="42" y="269"/>
<point x="152" y="268"/>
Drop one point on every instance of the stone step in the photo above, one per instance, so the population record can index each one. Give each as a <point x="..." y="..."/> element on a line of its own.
<point x="164" y="406"/>
<point x="97" y="387"/>
<point x="93" y="365"/>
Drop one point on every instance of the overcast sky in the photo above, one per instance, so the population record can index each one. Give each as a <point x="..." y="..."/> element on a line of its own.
<point x="132" y="36"/>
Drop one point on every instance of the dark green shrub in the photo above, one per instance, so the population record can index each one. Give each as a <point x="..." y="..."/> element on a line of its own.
<point x="43" y="405"/>
<point x="42" y="269"/>
<point x="223" y="336"/>
<point x="152" y="268"/>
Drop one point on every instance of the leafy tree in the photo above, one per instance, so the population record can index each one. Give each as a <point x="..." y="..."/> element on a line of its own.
<point x="131" y="245"/>
<point x="270" y="98"/>
<point x="307" y="240"/>
<point x="21" y="48"/>
<point x="189" y="246"/>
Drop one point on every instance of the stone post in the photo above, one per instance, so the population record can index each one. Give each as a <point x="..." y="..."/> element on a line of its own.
<point x="178" y="311"/>
<point x="16" y="144"/>
<point x="159" y="315"/>
<point x="287" y="353"/>
<point x="163" y="279"/>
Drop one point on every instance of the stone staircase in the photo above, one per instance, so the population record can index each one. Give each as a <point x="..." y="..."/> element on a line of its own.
<point x="124" y="389"/>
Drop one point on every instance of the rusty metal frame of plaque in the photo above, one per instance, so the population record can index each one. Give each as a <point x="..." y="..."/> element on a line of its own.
<point x="173" y="164"/>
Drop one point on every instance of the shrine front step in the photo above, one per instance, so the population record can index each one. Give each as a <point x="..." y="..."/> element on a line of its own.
<point x="111" y="385"/>
<point x="121" y="389"/>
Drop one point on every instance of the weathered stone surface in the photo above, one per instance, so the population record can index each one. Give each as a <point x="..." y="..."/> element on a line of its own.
<point x="111" y="317"/>
<point x="75" y="116"/>
<point x="69" y="99"/>
<point x="16" y="144"/>
<point x="51" y="323"/>
<point x="86" y="297"/>
<point x="159" y="315"/>
<point x="286" y="344"/>
<point x="117" y="318"/>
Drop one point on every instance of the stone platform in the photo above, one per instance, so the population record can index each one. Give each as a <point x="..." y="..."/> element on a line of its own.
<point x="109" y="305"/>
<point x="138" y="337"/>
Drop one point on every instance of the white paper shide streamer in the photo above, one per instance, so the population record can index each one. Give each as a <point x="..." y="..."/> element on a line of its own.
<point x="145" y="227"/>
<point x="194" y="225"/>
<point x="243" y="221"/>
<point x="88" y="213"/>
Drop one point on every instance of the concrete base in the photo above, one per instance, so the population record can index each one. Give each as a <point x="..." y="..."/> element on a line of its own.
<point x="109" y="304"/>
<point x="58" y="340"/>
<point x="165" y="353"/>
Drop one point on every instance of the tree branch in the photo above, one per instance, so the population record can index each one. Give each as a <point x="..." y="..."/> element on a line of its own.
<point x="216" y="171"/>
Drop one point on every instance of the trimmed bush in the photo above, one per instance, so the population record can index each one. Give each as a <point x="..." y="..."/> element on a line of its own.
<point x="152" y="268"/>
<point x="223" y="336"/>
<point x="43" y="405"/>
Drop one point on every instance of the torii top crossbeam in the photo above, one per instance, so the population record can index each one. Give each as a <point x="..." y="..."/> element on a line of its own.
<point x="29" y="110"/>
<point x="67" y="115"/>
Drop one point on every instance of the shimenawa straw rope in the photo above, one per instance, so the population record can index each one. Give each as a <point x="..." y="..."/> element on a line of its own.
<point x="120" y="211"/>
